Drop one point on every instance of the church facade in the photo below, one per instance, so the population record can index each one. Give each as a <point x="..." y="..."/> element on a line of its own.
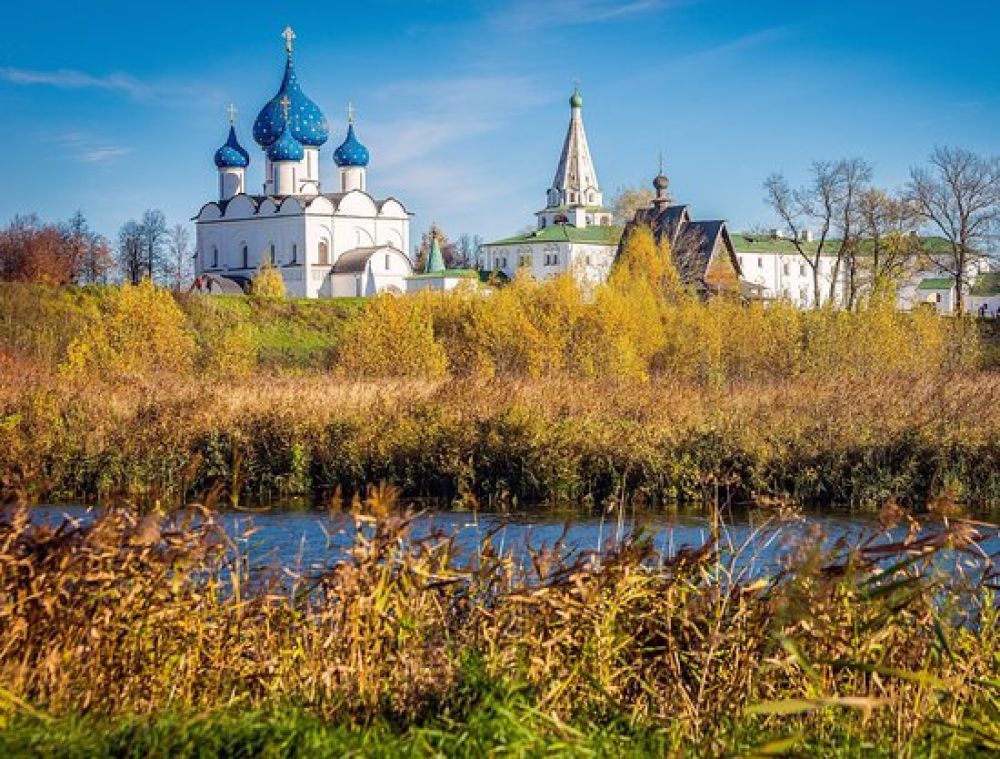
<point x="325" y="242"/>
<point x="574" y="232"/>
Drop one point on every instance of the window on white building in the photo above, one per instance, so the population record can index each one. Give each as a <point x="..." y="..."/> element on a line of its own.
<point x="215" y="257"/>
<point x="246" y="257"/>
<point x="784" y="268"/>
<point x="295" y="253"/>
<point x="324" y="253"/>
<point x="760" y="263"/>
<point x="272" y="256"/>
<point x="802" y="269"/>
<point x="388" y="262"/>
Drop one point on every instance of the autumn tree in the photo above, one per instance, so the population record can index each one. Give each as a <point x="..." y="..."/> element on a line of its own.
<point x="33" y="251"/>
<point x="89" y="251"/>
<point x="627" y="200"/>
<point x="959" y="195"/>
<point x="453" y="257"/>
<point x="267" y="282"/>
<point x="645" y="262"/>
<point x="889" y="228"/>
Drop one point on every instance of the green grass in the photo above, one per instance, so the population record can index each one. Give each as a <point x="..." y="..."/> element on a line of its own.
<point x="504" y="724"/>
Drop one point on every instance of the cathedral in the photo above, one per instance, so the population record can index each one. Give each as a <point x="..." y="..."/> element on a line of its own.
<point x="343" y="242"/>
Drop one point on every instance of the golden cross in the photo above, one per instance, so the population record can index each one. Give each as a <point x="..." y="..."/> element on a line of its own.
<point x="285" y="104"/>
<point x="289" y="35"/>
<point x="231" y="110"/>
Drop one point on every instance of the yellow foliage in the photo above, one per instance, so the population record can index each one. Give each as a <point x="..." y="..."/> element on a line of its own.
<point x="392" y="337"/>
<point x="230" y="351"/>
<point x="142" y="330"/>
<point x="267" y="282"/>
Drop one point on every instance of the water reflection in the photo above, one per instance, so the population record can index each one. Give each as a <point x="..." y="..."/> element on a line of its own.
<point x="303" y="541"/>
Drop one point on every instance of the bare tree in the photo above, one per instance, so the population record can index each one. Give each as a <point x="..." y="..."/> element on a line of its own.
<point x="178" y="265"/>
<point x="959" y="194"/>
<point x="154" y="233"/>
<point x="131" y="252"/>
<point x="854" y="176"/>
<point x="468" y="250"/>
<point x="830" y="202"/>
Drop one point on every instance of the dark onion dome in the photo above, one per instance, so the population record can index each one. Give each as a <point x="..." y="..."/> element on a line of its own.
<point x="351" y="152"/>
<point x="286" y="147"/>
<point x="232" y="155"/>
<point x="661" y="182"/>
<point x="309" y="125"/>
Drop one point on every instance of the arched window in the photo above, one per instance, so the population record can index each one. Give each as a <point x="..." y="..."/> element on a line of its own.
<point x="324" y="253"/>
<point x="215" y="257"/>
<point x="388" y="261"/>
<point x="246" y="257"/>
<point x="295" y="253"/>
<point x="271" y="255"/>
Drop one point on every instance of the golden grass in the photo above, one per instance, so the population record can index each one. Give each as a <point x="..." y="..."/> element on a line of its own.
<point x="129" y="615"/>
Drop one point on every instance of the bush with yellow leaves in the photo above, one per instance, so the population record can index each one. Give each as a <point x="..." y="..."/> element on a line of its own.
<point x="267" y="282"/>
<point x="392" y="337"/>
<point x="142" y="330"/>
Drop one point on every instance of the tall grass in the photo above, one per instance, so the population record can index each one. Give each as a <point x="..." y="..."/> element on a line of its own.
<point x="660" y="443"/>
<point x="879" y="641"/>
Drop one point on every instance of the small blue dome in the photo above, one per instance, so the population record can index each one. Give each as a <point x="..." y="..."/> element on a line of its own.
<point x="286" y="147"/>
<point x="351" y="152"/>
<point x="309" y="125"/>
<point x="232" y="155"/>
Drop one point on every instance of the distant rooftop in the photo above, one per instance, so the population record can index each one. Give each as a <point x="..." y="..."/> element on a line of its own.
<point x="596" y="235"/>
<point x="745" y="242"/>
<point x="936" y="283"/>
<point x="987" y="284"/>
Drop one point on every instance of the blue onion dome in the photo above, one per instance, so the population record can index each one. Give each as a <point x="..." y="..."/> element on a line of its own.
<point x="286" y="147"/>
<point x="232" y="155"/>
<point x="351" y="152"/>
<point x="309" y="125"/>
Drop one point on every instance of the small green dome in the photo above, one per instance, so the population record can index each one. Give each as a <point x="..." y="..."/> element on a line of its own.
<point x="576" y="101"/>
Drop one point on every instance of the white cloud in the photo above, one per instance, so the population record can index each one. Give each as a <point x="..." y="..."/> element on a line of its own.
<point x="71" y="79"/>
<point x="88" y="148"/>
<point x="163" y="92"/>
<point x="538" y="14"/>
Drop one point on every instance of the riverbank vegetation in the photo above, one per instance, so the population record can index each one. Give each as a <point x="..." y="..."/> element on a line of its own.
<point x="138" y="636"/>
<point x="537" y="393"/>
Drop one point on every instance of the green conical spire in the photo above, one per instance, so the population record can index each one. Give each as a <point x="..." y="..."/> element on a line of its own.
<point x="435" y="261"/>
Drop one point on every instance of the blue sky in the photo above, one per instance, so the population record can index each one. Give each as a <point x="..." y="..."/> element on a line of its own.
<point x="113" y="107"/>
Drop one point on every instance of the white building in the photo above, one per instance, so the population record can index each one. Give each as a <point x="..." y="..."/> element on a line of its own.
<point x="574" y="231"/>
<point x="343" y="242"/>
<point x="773" y="264"/>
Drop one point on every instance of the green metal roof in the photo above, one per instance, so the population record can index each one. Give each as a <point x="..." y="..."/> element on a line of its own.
<point x="936" y="283"/>
<point x="595" y="235"/>
<point x="747" y="243"/>
<point x="987" y="284"/>
<point x="447" y="274"/>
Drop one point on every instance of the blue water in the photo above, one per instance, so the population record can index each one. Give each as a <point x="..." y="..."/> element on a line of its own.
<point x="301" y="542"/>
